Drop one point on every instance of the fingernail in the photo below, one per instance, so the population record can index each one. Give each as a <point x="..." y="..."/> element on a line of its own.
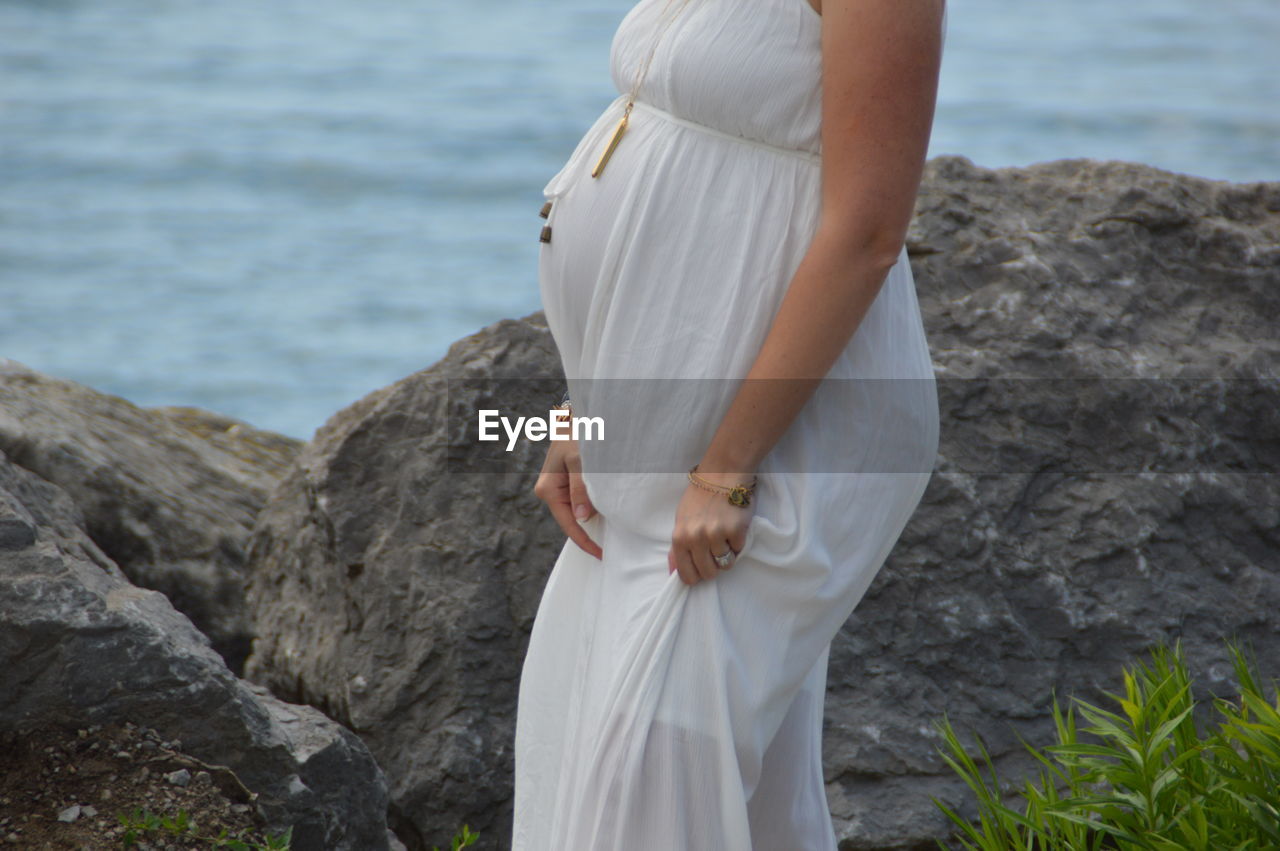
<point x="580" y="511"/>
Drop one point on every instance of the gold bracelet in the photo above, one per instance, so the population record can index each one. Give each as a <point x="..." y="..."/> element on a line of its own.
<point x="739" y="495"/>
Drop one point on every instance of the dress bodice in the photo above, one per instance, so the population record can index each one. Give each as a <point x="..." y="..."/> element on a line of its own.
<point x="750" y="68"/>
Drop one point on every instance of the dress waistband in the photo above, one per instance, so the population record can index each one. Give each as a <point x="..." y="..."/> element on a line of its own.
<point x="645" y="106"/>
<point x="590" y="145"/>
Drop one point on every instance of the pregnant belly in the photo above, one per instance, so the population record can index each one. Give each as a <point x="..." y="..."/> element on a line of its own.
<point x="674" y="261"/>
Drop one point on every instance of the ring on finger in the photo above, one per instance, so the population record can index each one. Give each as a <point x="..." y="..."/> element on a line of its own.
<point x="724" y="559"/>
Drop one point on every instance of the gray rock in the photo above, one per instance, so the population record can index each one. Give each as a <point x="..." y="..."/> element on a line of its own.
<point x="1080" y="268"/>
<point x="1052" y="571"/>
<point x="396" y="593"/>
<point x="80" y="645"/>
<point x="70" y="814"/>
<point x="181" y="777"/>
<point x="168" y="493"/>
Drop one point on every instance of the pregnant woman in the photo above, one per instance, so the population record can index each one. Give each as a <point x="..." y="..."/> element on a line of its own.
<point x="723" y="270"/>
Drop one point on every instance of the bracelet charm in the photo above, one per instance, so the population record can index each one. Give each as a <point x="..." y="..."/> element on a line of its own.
<point x="739" y="495"/>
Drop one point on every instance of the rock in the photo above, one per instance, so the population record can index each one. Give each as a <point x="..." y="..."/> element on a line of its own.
<point x="81" y="645"/>
<point x="1040" y="559"/>
<point x="168" y="493"/>
<point x="397" y="597"/>
<point x="70" y="814"/>
<point x="1080" y="268"/>
<point x="181" y="777"/>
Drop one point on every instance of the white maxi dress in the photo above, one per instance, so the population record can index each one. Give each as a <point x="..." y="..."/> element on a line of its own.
<point x="653" y="714"/>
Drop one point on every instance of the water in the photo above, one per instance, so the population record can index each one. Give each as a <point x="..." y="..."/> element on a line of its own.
<point x="270" y="209"/>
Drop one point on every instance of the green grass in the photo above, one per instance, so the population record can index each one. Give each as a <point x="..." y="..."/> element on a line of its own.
<point x="461" y="839"/>
<point x="1149" y="781"/>
<point x="145" y="824"/>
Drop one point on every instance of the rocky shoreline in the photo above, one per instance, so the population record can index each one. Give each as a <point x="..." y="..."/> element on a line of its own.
<point x="338" y="624"/>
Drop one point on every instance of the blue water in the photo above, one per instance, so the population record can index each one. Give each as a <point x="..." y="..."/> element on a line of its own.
<point x="270" y="209"/>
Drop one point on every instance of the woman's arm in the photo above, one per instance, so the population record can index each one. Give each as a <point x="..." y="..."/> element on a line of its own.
<point x="880" y="64"/>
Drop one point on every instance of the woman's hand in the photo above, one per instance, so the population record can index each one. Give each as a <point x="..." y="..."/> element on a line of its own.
<point x="707" y="525"/>
<point x="560" y="486"/>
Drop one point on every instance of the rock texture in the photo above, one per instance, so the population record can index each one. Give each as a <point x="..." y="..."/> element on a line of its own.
<point x="80" y="645"/>
<point x="169" y="494"/>
<point x="397" y="595"/>
<point x="1027" y="571"/>
<point x="1087" y="268"/>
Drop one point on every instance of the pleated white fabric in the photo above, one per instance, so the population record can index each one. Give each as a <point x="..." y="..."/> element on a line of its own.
<point x="653" y="714"/>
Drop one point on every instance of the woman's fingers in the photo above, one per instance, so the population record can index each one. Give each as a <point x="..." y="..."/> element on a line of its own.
<point x="582" y="507"/>
<point x="685" y="567"/>
<point x="705" y="565"/>
<point x="695" y="544"/>
<point x="728" y="553"/>
<point x="554" y="487"/>
<point x="697" y="564"/>
<point x="564" y="516"/>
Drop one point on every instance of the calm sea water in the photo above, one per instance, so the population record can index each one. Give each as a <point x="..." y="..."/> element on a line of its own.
<point x="270" y="209"/>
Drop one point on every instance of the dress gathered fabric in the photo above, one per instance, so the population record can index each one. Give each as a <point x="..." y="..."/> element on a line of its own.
<point x="653" y="714"/>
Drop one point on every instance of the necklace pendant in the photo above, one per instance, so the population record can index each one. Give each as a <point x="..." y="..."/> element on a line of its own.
<point x="613" y="143"/>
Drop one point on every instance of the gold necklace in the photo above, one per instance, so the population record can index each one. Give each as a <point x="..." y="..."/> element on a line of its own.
<point x="635" y="89"/>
